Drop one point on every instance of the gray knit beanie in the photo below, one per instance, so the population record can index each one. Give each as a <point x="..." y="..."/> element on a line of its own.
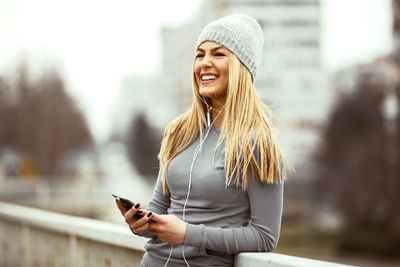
<point x="241" y="34"/>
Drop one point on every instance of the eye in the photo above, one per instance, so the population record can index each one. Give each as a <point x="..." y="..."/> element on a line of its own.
<point x="199" y="55"/>
<point x="219" y="54"/>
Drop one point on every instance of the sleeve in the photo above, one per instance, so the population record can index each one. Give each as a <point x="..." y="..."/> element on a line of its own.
<point x="260" y="235"/>
<point x="159" y="204"/>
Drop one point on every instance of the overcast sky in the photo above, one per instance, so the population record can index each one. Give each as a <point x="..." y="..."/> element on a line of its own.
<point x="95" y="43"/>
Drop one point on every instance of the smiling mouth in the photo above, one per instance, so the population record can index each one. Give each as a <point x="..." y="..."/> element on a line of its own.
<point x="208" y="78"/>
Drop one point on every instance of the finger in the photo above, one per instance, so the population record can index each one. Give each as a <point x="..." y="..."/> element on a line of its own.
<point x="156" y="224"/>
<point x="129" y="215"/>
<point x="144" y="220"/>
<point x="153" y="228"/>
<point x="120" y="206"/>
<point x="155" y="217"/>
<point x="141" y="228"/>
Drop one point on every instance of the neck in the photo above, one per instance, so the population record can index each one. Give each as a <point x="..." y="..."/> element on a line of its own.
<point x="218" y="122"/>
<point x="217" y="108"/>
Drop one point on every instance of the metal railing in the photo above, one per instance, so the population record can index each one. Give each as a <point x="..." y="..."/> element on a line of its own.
<point x="34" y="237"/>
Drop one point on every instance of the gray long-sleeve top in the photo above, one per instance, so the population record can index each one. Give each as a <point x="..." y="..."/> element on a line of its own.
<point x="221" y="219"/>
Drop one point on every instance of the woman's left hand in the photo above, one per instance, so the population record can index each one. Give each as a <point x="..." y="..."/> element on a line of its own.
<point x="168" y="228"/>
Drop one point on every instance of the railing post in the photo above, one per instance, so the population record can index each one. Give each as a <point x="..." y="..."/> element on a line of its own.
<point x="26" y="241"/>
<point x="72" y="250"/>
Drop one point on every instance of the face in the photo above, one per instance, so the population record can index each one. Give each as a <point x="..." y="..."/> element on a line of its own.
<point x="211" y="71"/>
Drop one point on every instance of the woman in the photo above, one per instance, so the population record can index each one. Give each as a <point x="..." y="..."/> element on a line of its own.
<point x="220" y="186"/>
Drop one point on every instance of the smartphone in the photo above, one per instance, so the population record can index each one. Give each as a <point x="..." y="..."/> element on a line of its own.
<point x="128" y="205"/>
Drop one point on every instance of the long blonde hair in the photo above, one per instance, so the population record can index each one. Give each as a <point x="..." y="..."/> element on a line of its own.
<point x="251" y="146"/>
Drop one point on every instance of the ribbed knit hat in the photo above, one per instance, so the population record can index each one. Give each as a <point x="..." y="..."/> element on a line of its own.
<point x="241" y="34"/>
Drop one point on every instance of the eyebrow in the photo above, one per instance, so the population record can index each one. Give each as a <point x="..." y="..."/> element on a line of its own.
<point x="212" y="49"/>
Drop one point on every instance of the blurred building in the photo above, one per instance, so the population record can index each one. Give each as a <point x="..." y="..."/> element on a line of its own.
<point x="290" y="80"/>
<point x="144" y="93"/>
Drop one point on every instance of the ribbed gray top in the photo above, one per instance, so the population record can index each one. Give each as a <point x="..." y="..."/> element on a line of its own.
<point x="221" y="219"/>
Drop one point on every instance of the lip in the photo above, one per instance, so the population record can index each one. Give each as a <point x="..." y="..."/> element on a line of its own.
<point x="209" y="81"/>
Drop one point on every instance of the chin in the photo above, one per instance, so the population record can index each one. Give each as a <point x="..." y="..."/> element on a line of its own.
<point x="206" y="92"/>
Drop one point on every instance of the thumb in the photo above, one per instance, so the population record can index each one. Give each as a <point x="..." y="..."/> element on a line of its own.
<point x="154" y="217"/>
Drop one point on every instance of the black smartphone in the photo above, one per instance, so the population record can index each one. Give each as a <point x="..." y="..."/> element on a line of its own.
<point x="128" y="205"/>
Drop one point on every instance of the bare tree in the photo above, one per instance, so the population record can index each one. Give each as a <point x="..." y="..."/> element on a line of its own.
<point x="358" y="163"/>
<point x="43" y="121"/>
<point x="7" y="115"/>
<point x="143" y="144"/>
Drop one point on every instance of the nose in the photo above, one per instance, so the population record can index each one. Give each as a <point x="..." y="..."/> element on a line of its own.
<point x="207" y="61"/>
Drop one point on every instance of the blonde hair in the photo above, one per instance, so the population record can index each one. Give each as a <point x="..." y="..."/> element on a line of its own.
<point x="251" y="146"/>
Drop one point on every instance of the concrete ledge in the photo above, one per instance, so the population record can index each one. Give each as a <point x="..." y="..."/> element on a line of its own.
<point x="34" y="237"/>
<point x="278" y="260"/>
<point x="105" y="232"/>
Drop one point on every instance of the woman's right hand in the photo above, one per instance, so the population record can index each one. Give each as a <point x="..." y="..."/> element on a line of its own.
<point x="137" y="225"/>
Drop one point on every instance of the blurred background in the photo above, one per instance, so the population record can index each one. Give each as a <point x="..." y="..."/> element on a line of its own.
<point x="87" y="87"/>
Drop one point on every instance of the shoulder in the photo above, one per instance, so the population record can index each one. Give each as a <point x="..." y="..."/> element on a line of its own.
<point x="175" y="124"/>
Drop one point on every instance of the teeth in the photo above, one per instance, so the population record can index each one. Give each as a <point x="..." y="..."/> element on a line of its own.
<point x="208" y="77"/>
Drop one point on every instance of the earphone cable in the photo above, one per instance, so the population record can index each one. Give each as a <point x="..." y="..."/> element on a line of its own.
<point x="196" y="152"/>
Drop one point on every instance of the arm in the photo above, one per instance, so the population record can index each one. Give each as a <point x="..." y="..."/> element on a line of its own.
<point x="262" y="232"/>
